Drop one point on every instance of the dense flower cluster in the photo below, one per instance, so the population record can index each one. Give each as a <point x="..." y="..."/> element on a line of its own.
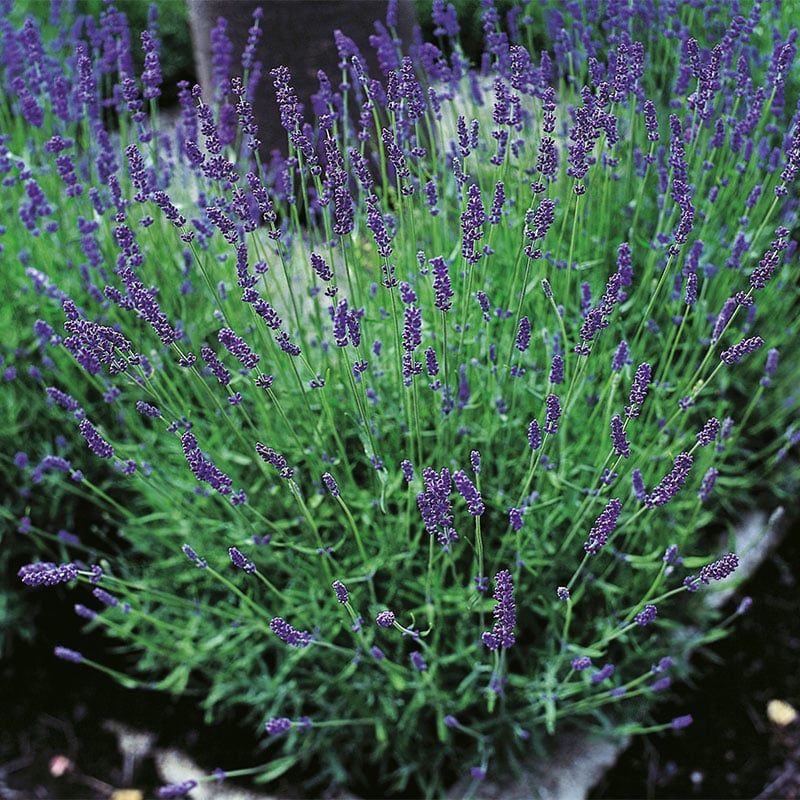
<point x="505" y="613"/>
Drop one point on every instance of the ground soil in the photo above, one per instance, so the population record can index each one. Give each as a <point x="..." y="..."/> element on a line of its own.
<point x="54" y="716"/>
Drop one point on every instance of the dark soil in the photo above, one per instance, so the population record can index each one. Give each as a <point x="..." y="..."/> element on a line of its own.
<point x="53" y="709"/>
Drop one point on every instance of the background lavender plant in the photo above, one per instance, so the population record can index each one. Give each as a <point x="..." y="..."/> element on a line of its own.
<point x="510" y="326"/>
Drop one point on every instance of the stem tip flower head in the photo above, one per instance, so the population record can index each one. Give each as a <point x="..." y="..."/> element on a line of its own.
<point x="646" y="615"/>
<point x="709" y="432"/>
<point x="240" y="560"/>
<point x="418" y="661"/>
<point x="341" y="591"/>
<point x="45" y="573"/>
<point x="385" y="619"/>
<point x="602" y="674"/>
<point x="277" y="725"/>
<point x="451" y="722"/>
<point x="641" y="381"/>
<point x="177" y="789"/>
<point x="192" y="555"/>
<point x="562" y="593"/>
<point x="603" y="527"/>
<point x="580" y="663"/>
<point x="744" y="606"/>
<point x="330" y="484"/>
<point x="505" y="613"/>
<point x="618" y="439"/>
<point x="682" y="722"/>
<point x="284" y="631"/>
<point x="552" y="413"/>
<point x="97" y="444"/>
<point x="736" y="353"/>
<point x="68" y="655"/>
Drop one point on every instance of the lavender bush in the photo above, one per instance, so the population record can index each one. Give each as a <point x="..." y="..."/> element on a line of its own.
<point x="402" y="447"/>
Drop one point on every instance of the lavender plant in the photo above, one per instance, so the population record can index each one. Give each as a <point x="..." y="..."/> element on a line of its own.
<point x="404" y="444"/>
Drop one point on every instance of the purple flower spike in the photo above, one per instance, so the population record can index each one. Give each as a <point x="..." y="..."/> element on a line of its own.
<point x="720" y="569"/>
<point x="45" y="573"/>
<point x="671" y="483"/>
<point x="736" y="353"/>
<point x="97" y="444"/>
<point x="68" y="655"/>
<point x="603" y="674"/>
<point x="641" y="380"/>
<point x="385" y="619"/>
<point x="603" y="527"/>
<point x="284" y="631"/>
<point x="523" y="335"/>
<point x="534" y="435"/>
<point x="709" y="432"/>
<point x="341" y="591"/>
<point x="646" y="615"/>
<point x="443" y="292"/>
<point x="277" y="725"/>
<point x="552" y="414"/>
<point x="239" y="560"/>
<point x="177" y="789"/>
<point x="682" y="722"/>
<point x="466" y="488"/>
<point x="618" y="438"/>
<point x="451" y="722"/>
<point x="505" y="613"/>
<point x="418" y="661"/>
<point x="330" y="483"/>
<point x="580" y="663"/>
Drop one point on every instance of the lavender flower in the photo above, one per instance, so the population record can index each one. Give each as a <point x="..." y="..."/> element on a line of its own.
<point x="557" y="370"/>
<point x="646" y="615"/>
<point x="237" y="347"/>
<point x="284" y="631"/>
<point x="192" y="556"/>
<point x="603" y="527"/>
<point x="418" y="661"/>
<point x="435" y="507"/>
<point x="671" y="483"/>
<point x="330" y="483"/>
<point x="146" y="410"/>
<point x="602" y="674"/>
<point x="580" y="663"/>
<point x="618" y="438"/>
<point x="45" y="573"/>
<point x="720" y="569"/>
<point x="177" y="789"/>
<point x="534" y="435"/>
<point x="467" y="490"/>
<point x="505" y="613"/>
<point x="97" y="444"/>
<point x="709" y="432"/>
<point x="523" y="335"/>
<point x="475" y="461"/>
<point x="385" y="619"/>
<point x="68" y="655"/>
<point x="638" y="393"/>
<point x="682" y="722"/>
<point x="238" y="559"/>
<point x="770" y="367"/>
<point x="736" y="353"/>
<point x="341" y="591"/>
<point x="707" y="484"/>
<point x="277" y="725"/>
<point x="552" y="414"/>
